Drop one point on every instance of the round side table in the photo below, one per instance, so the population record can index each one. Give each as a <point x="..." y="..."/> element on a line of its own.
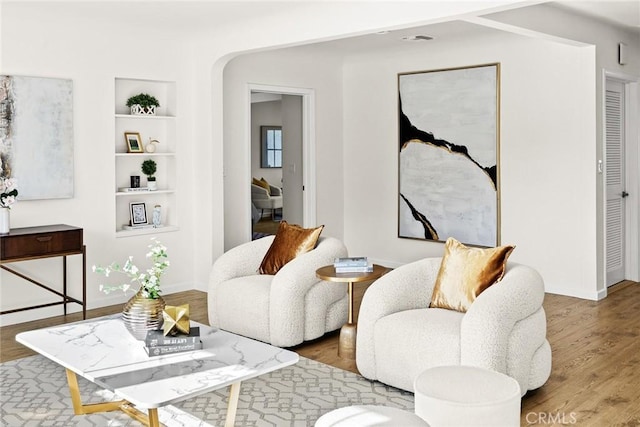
<point x="347" y="344"/>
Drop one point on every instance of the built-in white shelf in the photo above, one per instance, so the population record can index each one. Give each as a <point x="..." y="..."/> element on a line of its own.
<point x="144" y="117"/>
<point x="161" y="127"/>
<point x="143" y="231"/>
<point x="144" y="193"/>
<point x="156" y="154"/>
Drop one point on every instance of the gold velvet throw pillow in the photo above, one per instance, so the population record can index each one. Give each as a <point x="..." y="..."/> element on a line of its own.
<point x="262" y="183"/>
<point x="291" y="240"/>
<point x="466" y="272"/>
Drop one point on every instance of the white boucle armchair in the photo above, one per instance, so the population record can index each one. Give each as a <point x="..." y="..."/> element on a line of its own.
<point x="504" y="329"/>
<point x="284" y="309"/>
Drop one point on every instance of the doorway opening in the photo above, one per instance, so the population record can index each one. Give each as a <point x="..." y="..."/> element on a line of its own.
<point x="282" y="151"/>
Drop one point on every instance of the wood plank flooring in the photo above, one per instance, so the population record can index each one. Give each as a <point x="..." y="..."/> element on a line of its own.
<point x="596" y="355"/>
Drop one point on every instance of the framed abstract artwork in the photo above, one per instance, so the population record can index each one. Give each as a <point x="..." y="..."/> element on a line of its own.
<point x="448" y="162"/>
<point x="36" y="135"/>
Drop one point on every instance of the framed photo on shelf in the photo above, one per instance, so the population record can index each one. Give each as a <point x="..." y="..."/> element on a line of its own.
<point x="137" y="213"/>
<point x="134" y="142"/>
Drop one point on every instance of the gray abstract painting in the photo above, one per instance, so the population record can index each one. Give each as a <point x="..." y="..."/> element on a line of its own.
<point x="36" y="135"/>
<point x="448" y="161"/>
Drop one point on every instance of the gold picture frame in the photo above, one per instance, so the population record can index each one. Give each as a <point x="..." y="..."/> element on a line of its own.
<point x="449" y="155"/>
<point x="134" y="142"/>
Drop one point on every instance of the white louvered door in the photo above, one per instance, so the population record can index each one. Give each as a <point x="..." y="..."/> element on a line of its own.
<point x="615" y="185"/>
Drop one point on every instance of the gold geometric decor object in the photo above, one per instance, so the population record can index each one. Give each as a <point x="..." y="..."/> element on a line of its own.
<point x="176" y="319"/>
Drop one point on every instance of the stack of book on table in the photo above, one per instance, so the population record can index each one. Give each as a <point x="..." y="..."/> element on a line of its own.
<point x="358" y="264"/>
<point x="157" y="344"/>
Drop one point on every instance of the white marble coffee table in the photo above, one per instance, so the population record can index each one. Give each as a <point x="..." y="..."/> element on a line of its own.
<point x="103" y="352"/>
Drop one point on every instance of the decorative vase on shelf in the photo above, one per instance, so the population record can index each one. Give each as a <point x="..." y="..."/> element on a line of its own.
<point x="139" y="110"/>
<point x="5" y="225"/>
<point x="142" y="314"/>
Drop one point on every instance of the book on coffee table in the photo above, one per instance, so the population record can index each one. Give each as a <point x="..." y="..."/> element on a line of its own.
<point x="157" y="338"/>
<point x="161" y="350"/>
<point x="158" y="344"/>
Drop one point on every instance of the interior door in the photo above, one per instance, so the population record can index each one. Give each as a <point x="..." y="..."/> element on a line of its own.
<point x="615" y="181"/>
<point x="292" y="159"/>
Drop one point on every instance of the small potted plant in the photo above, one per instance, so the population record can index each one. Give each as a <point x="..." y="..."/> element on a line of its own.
<point x="149" y="169"/>
<point x="143" y="104"/>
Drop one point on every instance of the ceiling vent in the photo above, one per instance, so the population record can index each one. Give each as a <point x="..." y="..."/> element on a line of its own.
<point x="416" y="38"/>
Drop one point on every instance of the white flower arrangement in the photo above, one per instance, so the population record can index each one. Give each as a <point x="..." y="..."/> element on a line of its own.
<point x="8" y="186"/>
<point x="148" y="282"/>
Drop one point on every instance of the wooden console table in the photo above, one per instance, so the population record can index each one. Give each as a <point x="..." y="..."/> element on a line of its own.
<point x="29" y="243"/>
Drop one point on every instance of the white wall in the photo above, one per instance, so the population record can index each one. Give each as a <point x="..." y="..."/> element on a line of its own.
<point x="38" y="40"/>
<point x="286" y="68"/>
<point x="547" y="129"/>
<point x="557" y="21"/>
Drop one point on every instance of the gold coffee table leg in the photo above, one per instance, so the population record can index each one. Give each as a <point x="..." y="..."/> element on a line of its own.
<point x="347" y="344"/>
<point x="232" y="406"/>
<point x="120" y="405"/>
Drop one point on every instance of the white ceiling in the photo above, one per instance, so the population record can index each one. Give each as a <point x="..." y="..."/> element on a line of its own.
<point x="625" y="13"/>
<point x="202" y="15"/>
<point x="194" y="17"/>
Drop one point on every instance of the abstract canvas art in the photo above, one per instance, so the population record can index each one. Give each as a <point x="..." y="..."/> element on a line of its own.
<point x="36" y="135"/>
<point x="448" y="155"/>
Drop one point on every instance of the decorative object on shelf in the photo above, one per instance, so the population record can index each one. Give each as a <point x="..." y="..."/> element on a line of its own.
<point x="143" y="312"/>
<point x="156" y="219"/>
<point x="143" y="104"/>
<point x="176" y="320"/>
<point x="134" y="142"/>
<point x="132" y="189"/>
<point x="135" y="181"/>
<point x="448" y="151"/>
<point x="151" y="145"/>
<point x="137" y="213"/>
<point x="149" y="168"/>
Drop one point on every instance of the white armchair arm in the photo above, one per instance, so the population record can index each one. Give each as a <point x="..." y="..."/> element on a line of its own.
<point x="243" y="260"/>
<point x="275" y="191"/>
<point x="259" y="193"/>
<point x="490" y="321"/>
<point x="407" y="287"/>
<point x="290" y="286"/>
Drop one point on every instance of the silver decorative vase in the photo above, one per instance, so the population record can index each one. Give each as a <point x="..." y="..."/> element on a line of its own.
<point x="142" y="314"/>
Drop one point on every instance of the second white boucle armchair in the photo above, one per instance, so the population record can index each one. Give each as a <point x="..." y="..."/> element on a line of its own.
<point x="284" y="309"/>
<point x="504" y="330"/>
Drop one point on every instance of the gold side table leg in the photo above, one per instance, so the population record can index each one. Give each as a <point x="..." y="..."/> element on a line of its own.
<point x="347" y="343"/>
<point x="232" y="406"/>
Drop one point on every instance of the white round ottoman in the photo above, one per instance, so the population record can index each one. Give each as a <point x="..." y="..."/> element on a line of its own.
<point x="369" y="416"/>
<point x="467" y="396"/>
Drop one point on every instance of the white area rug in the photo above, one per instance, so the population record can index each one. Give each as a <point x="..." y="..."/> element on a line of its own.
<point x="34" y="392"/>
